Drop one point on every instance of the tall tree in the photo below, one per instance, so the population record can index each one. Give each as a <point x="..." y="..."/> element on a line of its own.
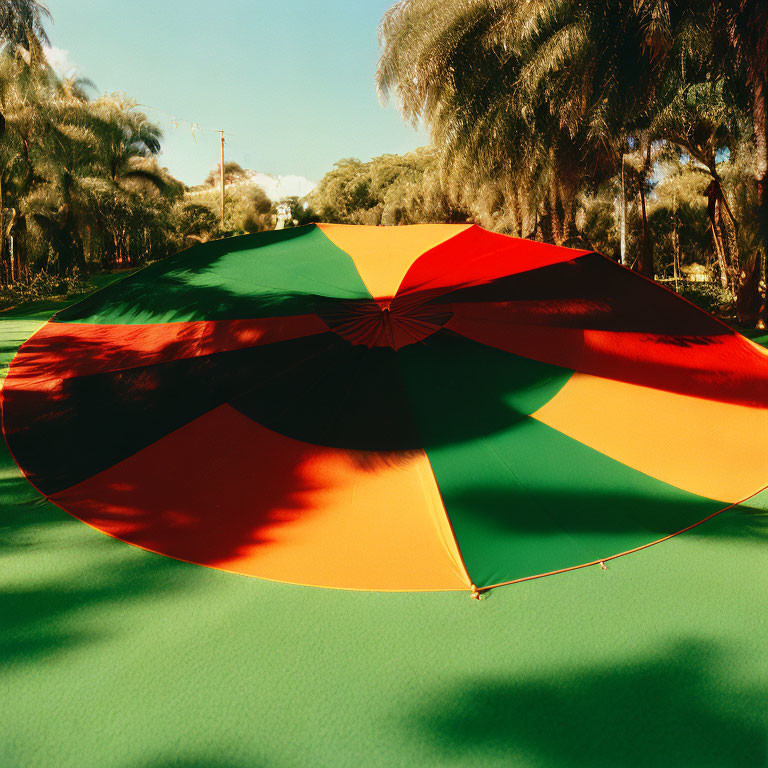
<point x="540" y="93"/>
<point x="22" y="30"/>
<point x="740" y="28"/>
<point x="700" y="120"/>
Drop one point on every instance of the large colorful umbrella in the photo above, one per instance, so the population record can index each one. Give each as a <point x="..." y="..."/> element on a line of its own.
<point x="434" y="407"/>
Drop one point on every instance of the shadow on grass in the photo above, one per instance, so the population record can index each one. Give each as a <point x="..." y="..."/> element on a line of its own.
<point x="52" y="616"/>
<point x="47" y="610"/>
<point x="195" y="762"/>
<point x="667" y="710"/>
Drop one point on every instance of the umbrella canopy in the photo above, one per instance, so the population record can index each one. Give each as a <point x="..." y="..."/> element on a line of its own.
<point x="433" y="407"/>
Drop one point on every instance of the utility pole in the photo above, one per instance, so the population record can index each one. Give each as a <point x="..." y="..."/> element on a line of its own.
<point x="675" y="242"/>
<point x="221" y="133"/>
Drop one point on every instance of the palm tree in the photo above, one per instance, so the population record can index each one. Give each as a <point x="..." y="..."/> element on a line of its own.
<point x="81" y="176"/>
<point x="22" y="20"/>
<point x="740" y="29"/>
<point x="22" y="30"/>
<point x="22" y="95"/>
<point x="535" y="96"/>
<point x="700" y="120"/>
<point x="125" y="138"/>
<point x="452" y="65"/>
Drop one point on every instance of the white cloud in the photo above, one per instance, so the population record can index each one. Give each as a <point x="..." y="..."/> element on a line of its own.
<point x="59" y="59"/>
<point x="278" y="187"/>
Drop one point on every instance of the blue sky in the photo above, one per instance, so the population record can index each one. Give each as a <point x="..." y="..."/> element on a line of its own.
<point x="293" y="82"/>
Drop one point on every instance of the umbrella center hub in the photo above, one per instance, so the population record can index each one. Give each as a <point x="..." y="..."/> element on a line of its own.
<point x="388" y="322"/>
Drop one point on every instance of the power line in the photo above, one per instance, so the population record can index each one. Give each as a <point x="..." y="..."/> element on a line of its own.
<point x="194" y="127"/>
<point x="193" y="124"/>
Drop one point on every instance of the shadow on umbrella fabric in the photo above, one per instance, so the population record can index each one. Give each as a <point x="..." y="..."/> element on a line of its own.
<point x="408" y="408"/>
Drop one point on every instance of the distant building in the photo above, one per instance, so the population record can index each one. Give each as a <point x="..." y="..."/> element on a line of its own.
<point x="283" y="215"/>
<point x="696" y="273"/>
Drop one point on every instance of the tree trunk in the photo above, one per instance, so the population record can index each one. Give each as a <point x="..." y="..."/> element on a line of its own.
<point x="19" y="226"/>
<point x="712" y="205"/>
<point x="760" y="122"/>
<point x="748" y="299"/>
<point x="728" y="240"/>
<point x="2" y="230"/>
<point x="675" y="243"/>
<point x="676" y="257"/>
<point x="554" y="217"/>
<point x="514" y="214"/>
<point x="623" y="217"/>
<point x="567" y="197"/>
<point x="762" y="186"/>
<point x="524" y="206"/>
<point x="2" y="221"/>
<point x="645" y="261"/>
<point x="719" y="253"/>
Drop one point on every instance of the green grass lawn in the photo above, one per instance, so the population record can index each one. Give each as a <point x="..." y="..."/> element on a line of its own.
<point x="113" y="656"/>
